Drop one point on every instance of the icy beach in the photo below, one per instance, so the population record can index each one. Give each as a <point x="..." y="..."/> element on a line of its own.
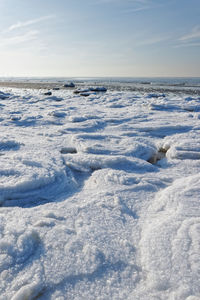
<point x="100" y="195"/>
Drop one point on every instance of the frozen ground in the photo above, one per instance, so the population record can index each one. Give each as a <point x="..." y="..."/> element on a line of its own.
<point x="99" y="196"/>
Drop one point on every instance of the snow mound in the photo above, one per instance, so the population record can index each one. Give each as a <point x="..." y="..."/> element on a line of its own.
<point x="170" y="240"/>
<point x="88" y="163"/>
<point x="28" y="176"/>
<point x="185" y="150"/>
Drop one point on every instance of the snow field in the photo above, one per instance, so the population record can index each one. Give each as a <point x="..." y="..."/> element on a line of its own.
<point x="99" y="196"/>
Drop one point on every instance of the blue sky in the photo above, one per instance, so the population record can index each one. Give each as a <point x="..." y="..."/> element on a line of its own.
<point x="100" y="38"/>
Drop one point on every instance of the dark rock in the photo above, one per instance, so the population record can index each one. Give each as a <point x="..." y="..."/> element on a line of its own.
<point x="85" y="94"/>
<point x="81" y="91"/>
<point x="48" y="93"/>
<point x="152" y="95"/>
<point x="15" y="118"/>
<point x="4" y="96"/>
<point x="69" y="85"/>
<point x="98" y="89"/>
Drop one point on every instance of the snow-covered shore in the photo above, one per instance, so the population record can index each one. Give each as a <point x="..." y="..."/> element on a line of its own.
<point x="99" y="195"/>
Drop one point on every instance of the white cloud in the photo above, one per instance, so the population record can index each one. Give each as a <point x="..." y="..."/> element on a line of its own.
<point x="187" y="45"/>
<point x="129" y="6"/>
<point x="18" y="39"/>
<point x="153" y="40"/>
<point x="25" y="36"/>
<point x="136" y="9"/>
<point x="194" y="34"/>
<point x="28" y="23"/>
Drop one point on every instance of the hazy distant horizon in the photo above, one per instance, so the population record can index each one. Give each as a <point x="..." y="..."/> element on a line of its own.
<point x="101" y="77"/>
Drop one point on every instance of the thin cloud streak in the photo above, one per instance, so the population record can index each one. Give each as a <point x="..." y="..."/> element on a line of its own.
<point x="137" y="9"/>
<point x="29" y="36"/>
<point x="153" y="40"/>
<point x="187" y="45"/>
<point x="132" y="6"/>
<point x="195" y="34"/>
<point x="20" y="24"/>
<point x="123" y="1"/>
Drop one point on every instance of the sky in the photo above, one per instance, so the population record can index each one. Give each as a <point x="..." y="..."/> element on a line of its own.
<point x="96" y="38"/>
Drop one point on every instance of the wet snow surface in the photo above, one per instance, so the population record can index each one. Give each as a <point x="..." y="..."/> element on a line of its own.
<point x="99" y="195"/>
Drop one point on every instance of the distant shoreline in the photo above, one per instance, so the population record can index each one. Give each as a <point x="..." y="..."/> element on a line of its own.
<point x="127" y="87"/>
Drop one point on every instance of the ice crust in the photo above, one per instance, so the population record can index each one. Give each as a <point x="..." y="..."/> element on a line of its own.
<point x="99" y="196"/>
